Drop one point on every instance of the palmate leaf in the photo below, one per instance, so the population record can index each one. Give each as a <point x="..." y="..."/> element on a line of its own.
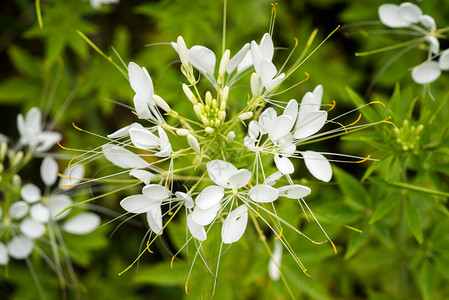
<point x="61" y="21"/>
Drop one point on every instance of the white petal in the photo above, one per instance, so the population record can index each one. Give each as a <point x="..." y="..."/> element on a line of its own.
<point x="165" y="152"/>
<point x="311" y="102"/>
<point x="318" y="165"/>
<point x="284" y="165"/>
<point x="253" y="129"/>
<point x="237" y="59"/>
<point x="186" y="197"/>
<point x="205" y="216"/>
<point x="49" y="170"/>
<point x="312" y="123"/>
<point x="271" y="84"/>
<point x="30" y="193"/>
<point x="196" y="230"/>
<point x="138" y="204"/>
<point x="4" y="258"/>
<point x="156" y="192"/>
<point x="266" y="47"/>
<point x="389" y="16"/>
<point x="18" y="209"/>
<point x="72" y="176"/>
<point x="246" y="62"/>
<point x="210" y="196"/>
<point x="427" y="72"/>
<point x="163" y="138"/>
<point x="240" y="179"/>
<point x="428" y="22"/>
<point x="444" y="60"/>
<point x="40" y="213"/>
<point x="266" y="118"/>
<point x="141" y="106"/>
<point x="46" y="140"/>
<point x="142" y="175"/>
<point x="291" y="109"/>
<point x="20" y="247"/>
<point x="58" y="203"/>
<point x="280" y="127"/>
<point x="318" y="94"/>
<point x="256" y="56"/>
<point x="274" y="264"/>
<point x="123" y="131"/>
<point x="122" y="157"/>
<point x="203" y="59"/>
<point x="33" y="119"/>
<point x="220" y="171"/>
<point x="140" y="80"/>
<point x="143" y="138"/>
<point x="82" y="223"/>
<point x="294" y="191"/>
<point x="263" y="193"/>
<point x="273" y="178"/>
<point x="287" y="148"/>
<point x="250" y="144"/>
<point x="32" y="228"/>
<point x="154" y="218"/>
<point x="434" y="44"/>
<point x="234" y="225"/>
<point x="410" y="12"/>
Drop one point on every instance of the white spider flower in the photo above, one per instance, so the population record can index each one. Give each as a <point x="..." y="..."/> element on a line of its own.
<point x="211" y="201"/>
<point x="32" y="134"/>
<point x="284" y="132"/>
<point x="409" y="15"/>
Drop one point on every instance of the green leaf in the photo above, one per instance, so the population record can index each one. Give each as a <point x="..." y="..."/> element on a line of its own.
<point x="356" y="242"/>
<point x="427" y="280"/>
<point x="24" y="62"/>
<point x="384" y="207"/>
<point x="55" y="46"/>
<point x="413" y="220"/>
<point x="162" y="274"/>
<point x="352" y="187"/>
<point x="14" y="90"/>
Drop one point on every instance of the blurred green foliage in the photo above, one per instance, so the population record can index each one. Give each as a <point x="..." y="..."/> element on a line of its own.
<point x="398" y="202"/>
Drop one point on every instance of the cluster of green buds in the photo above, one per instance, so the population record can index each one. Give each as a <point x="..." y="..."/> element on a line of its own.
<point x="408" y="136"/>
<point x="212" y="113"/>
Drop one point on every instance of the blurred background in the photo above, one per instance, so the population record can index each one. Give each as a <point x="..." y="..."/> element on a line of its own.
<point x="401" y="252"/>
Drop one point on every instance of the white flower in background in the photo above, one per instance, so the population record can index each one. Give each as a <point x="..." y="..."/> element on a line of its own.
<point x="430" y="71"/>
<point x="274" y="265"/>
<point x="98" y="3"/>
<point x="43" y="209"/>
<point x="32" y="134"/>
<point x="408" y="15"/>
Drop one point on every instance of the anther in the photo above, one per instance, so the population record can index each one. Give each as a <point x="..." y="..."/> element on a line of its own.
<point x="280" y="234"/>
<point x="355" y="122"/>
<point x="363" y="160"/>
<point x="148" y="247"/>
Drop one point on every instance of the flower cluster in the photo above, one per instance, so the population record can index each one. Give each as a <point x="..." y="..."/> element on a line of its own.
<point x="29" y="219"/>
<point x="408" y="15"/>
<point x="224" y="167"/>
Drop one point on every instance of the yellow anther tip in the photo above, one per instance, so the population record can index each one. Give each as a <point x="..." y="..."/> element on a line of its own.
<point x="363" y="160"/>
<point x="280" y="234"/>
